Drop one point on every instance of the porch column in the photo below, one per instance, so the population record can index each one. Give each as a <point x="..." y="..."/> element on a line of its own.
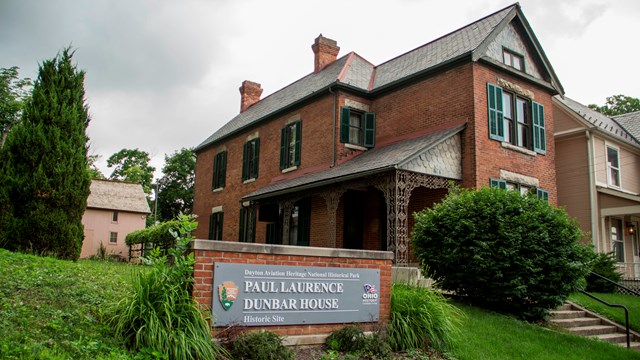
<point x="386" y="184"/>
<point x="287" y="207"/>
<point x="332" y="198"/>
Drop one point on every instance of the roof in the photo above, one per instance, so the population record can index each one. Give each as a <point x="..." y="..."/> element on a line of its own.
<point x="601" y="121"/>
<point x="354" y="72"/>
<point x="117" y="195"/>
<point x="631" y="123"/>
<point x="373" y="161"/>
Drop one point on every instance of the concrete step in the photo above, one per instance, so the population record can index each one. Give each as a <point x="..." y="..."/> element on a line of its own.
<point x="612" y="337"/>
<point x="564" y="306"/>
<point x="567" y="314"/>
<point x="576" y="322"/>
<point x="635" y="345"/>
<point x="593" y="330"/>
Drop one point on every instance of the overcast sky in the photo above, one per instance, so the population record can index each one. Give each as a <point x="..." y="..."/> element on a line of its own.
<point x="162" y="74"/>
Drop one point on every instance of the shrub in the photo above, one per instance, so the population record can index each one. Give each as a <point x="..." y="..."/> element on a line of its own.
<point x="353" y="341"/>
<point x="262" y="345"/>
<point x="506" y="252"/>
<point x="421" y="318"/>
<point x="604" y="265"/>
<point x="160" y="315"/>
<point x="159" y="234"/>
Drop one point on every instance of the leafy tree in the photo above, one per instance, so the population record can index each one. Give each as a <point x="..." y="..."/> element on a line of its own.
<point x="132" y="165"/>
<point x="175" y="193"/>
<point x="13" y="93"/>
<point x="617" y="105"/>
<point x="92" y="169"/>
<point x="503" y="251"/>
<point x="43" y="165"/>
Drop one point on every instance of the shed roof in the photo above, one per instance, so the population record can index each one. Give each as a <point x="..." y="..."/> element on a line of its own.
<point x="117" y="195"/>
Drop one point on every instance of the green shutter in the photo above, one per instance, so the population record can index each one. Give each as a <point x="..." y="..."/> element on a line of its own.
<point x="283" y="148"/>
<point x="494" y="102"/>
<point x="498" y="183"/>
<point x="245" y="160"/>
<point x="223" y="170"/>
<point x="369" y="129"/>
<point x="297" y="152"/>
<point x="543" y="194"/>
<point x="256" y="158"/>
<point x="214" y="176"/>
<point x="539" y="137"/>
<point x="211" y="226"/>
<point x="345" y="115"/>
<point x="241" y="231"/>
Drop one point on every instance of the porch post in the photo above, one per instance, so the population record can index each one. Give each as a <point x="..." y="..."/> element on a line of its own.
<point x="287" y="207"/>
<point x="387" y="186"/>
<point x="332" y="198"/>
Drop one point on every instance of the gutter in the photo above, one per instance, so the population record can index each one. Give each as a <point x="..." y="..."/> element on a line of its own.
<point x="593" y="203"/>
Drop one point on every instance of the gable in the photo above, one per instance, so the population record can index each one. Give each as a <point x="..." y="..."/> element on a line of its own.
<point x="443" y="160"/>
<point x="511" y="39"/>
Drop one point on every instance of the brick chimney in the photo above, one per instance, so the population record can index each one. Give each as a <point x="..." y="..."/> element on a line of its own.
<point x="325" y="51"/>
<point x="249" y="94"/>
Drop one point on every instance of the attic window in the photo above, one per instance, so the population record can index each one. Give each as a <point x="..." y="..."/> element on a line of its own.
<point x="512" y="59"/>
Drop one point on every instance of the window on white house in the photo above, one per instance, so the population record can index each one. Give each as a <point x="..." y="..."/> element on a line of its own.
<point x="613" y="166"/>
<point x="113" y="238"/>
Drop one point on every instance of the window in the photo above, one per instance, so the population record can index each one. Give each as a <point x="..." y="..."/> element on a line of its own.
<point x="290" y="145"/>
<point x="215" y="225"/>
<point x="357" y="127"/>
<point x="247" y="226"/>
<point x="524" y="190"/>
<point x="512" y="59"/>
<point x="515" y="120"/>
<point x="113" y="238"/>
<point x="613" y="167"/>
<point x="617" y="239"/>
<point x="114" y="217"/>
<point x="250" y="159"/>
<point x="219" y="170"/>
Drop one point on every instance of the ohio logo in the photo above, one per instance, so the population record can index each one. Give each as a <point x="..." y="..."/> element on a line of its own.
<point x="370" y="294"/>
<point x="227" y="294"/>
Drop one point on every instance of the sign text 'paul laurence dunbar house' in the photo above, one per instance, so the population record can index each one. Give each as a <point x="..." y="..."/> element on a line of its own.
<point x="343" y="156"/>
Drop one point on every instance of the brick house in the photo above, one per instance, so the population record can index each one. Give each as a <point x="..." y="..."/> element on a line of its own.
<point x="342" y="157"/>
<point x="114" y="209"/>
<point x="598" y="169"/>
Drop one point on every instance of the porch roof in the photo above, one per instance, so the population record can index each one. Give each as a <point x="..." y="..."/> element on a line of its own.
<point x="373" y="161"/>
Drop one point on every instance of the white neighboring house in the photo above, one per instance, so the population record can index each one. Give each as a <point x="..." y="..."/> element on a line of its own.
<point x="114" y="209"/>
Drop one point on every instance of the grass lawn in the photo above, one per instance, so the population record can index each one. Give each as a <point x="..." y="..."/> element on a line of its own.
<point x="51" y="309"/>
<point x="487" y="335"/>
<point x="632" y="303"/>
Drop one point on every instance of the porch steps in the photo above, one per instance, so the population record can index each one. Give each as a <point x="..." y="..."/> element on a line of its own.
<point x="583" y="322"/>
<point x="410" y="275"/>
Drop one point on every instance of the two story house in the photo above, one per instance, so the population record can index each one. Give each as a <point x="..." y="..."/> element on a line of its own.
<point x="598" y="169"/>
<point x="344" y="156"/>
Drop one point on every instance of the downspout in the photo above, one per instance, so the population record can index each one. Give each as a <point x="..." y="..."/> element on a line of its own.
<point x="593" y="204"/>
<point x="333" y="131"/>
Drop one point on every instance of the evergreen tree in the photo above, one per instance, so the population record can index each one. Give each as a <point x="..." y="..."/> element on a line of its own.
<point x="43" y="168"/>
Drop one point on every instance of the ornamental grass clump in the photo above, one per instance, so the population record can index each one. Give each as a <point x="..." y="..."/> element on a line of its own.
<point x="503" y="251"/>
<point x="160" y="315"/>
<point x="421" y="318"/>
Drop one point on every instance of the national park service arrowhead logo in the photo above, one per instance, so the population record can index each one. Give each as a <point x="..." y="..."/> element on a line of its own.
<point x="227" y="294"/>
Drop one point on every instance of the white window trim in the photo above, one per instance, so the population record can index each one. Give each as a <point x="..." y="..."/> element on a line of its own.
<point x="608" y="168"/>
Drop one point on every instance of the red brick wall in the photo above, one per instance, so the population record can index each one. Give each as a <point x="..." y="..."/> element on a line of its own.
<point x="206" y="255"/>
<point x="491" y="155"/>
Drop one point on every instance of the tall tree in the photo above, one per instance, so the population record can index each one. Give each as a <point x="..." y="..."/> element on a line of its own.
<point x="43" y="167"/>
<point x="132" y="165"/>
<point x="617" y="105"/>
<point x="175" y="188"/>
<point x="13" y="93"/>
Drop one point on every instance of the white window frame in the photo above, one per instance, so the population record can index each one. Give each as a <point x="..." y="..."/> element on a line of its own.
<point x="610" y="168"/>
<point x="111" y="236"/>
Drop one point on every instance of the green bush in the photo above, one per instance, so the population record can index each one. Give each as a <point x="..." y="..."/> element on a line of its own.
<point x="421" y="318"/>
<point x="351" y="340"/>
<point x="159" y="234"/>
<point x="502" y="251"/>
<point x="604" y="265"/>
<point x="160" y="315"/>
<point x="262" y="345"/>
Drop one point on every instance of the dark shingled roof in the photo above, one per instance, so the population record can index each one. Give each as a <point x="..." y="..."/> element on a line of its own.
<point x="631" y="123"/>
<point x="352" y="70"/>
<point x="600" y="120"/>
<point x="117" y="195"/>
<point x="370" y="162"/>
